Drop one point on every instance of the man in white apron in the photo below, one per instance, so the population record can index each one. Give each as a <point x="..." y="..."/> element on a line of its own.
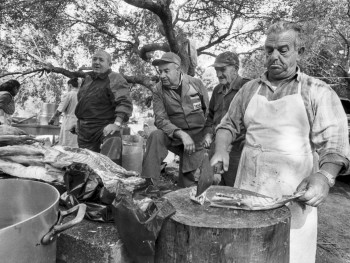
<point x="288" y="117"/>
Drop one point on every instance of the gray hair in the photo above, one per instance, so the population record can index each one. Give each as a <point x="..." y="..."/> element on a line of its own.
<point x="282" y="26"/>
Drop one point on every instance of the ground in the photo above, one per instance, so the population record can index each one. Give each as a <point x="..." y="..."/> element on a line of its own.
<point x="333" y="244"/>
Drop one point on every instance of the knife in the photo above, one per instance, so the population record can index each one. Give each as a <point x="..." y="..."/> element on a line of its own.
<point x="206" y="174"/>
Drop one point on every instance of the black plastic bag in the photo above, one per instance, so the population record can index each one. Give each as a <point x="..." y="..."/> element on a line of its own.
<point x="138" y="229"/>
<point x="85" y="186"/>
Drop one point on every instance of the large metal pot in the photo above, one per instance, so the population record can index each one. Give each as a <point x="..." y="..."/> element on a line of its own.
<point x="47" y="111"/>
<point x="30" y="221"/>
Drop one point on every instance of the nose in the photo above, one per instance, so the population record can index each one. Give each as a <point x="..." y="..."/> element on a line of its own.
<point x="274" y="55"/>
<point x="162" y="75"/>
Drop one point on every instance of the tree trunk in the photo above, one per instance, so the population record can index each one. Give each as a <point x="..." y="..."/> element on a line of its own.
<point x="206" y="234"/>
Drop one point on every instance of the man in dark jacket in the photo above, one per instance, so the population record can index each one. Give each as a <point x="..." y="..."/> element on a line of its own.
<point x="180" y="104"/>
<point x="104" y="103"/>
<point x="226" y="66"/>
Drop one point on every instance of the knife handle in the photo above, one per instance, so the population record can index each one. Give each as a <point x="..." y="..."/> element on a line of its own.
<point x="218" y="168"/>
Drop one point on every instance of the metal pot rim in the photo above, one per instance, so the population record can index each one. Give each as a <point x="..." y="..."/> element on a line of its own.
<point x="42" y="211"/>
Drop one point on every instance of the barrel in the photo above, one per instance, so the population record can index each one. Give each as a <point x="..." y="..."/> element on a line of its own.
<point x="47" y="112"/>
<point x="132" y="153"/>
<point x="200" y="233"/>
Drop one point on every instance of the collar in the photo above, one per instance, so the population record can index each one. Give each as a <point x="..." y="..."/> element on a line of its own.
<point x="264" y="79"/>
<point x="100" y="75"/>
<point x="234" y="85"/>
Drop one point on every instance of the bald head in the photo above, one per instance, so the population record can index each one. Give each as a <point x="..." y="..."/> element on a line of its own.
<point x="101" y="61"/>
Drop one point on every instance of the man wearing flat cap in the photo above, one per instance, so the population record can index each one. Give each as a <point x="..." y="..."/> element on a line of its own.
<point x="180" y="105"/>
<point x="226" y="66"/>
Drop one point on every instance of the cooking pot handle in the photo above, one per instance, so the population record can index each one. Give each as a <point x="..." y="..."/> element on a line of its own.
<point x="58" y="228"/>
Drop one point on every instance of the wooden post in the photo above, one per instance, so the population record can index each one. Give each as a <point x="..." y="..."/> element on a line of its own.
<point x="206" y="234"/>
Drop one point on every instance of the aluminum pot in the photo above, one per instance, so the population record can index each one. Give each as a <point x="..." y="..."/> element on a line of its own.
<point x="47" y="111"/>
<point x="30" y="221"/>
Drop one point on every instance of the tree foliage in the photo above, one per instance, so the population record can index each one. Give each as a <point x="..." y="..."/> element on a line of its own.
<point x="327" y="30"/>
<point x="65" y="33"/>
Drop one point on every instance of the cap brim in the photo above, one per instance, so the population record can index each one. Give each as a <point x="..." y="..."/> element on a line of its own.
<point x="158" y="62"/>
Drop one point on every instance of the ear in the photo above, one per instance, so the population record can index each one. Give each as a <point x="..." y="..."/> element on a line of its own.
<point x="301" y="51"/>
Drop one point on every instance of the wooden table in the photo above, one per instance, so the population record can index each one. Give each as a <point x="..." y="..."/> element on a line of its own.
<point x="38" y="129"/>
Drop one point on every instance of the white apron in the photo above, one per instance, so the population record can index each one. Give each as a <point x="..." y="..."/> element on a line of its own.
<point x="277" y="156"/>
<point x="67" y="138"/>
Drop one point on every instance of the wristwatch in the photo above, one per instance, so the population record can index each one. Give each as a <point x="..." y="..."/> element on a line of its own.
<point x="118" y="123"/>
<point x="330" y="178"/>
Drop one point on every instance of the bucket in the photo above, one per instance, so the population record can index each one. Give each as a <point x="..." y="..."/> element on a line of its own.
<point x="46" y="113"/>
<point x="132" y="153"/>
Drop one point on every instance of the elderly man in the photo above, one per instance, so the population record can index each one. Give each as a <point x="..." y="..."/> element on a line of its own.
<point x="287" y="116"/>
<point x="104" y="103"/>
<point x="180" y="104"/>
<point x="226" y="66"/>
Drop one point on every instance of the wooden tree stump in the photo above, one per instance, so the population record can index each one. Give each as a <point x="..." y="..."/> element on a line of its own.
<point x="207" y="234"/>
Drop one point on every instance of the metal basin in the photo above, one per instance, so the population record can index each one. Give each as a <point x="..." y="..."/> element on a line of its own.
<point x="30" y="221"/>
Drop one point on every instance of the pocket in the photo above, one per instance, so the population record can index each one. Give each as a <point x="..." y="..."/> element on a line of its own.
<point x="196" y="102"/>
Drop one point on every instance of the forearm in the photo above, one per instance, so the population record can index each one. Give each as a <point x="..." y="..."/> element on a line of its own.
<point x="332" y="168"/>
<point x="179" y="133"/>
<point x="57" y="114"/>
<point x="223" y="139"/>
<point x="123" y="109"/>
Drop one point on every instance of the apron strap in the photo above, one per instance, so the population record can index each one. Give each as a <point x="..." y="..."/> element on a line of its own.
<point x="257" y="91"/>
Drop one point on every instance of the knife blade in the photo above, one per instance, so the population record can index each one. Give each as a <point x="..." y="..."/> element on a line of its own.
<point x="206" y="175"/>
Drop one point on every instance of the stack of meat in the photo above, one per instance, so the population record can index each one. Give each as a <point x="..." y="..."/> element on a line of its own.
<point x="21" y="155"/>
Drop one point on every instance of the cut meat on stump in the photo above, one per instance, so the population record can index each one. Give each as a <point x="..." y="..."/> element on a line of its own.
<point x="199" y="233"/>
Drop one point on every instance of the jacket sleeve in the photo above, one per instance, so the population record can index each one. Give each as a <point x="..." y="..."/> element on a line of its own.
<point x="209" y="123"/>
<point x="121" y="91"/>
<point x="204" y="92"/>
<point x="162" y="121"/>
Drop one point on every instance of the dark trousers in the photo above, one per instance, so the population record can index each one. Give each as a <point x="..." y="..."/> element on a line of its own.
<point x="157" y="146"/>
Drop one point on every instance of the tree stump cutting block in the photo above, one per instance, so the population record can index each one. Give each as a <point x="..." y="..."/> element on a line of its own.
<point x="199" y="233"/>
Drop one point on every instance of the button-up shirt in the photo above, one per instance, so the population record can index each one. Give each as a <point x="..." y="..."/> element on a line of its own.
<point x="104" y="97"/>
<point x="328" y="121"/>
<point x="221" y="100"/>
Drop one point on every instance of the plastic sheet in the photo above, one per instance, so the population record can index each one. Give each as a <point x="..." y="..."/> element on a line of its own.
<point x="138" y="229"/>
<point x="85" y="186"/>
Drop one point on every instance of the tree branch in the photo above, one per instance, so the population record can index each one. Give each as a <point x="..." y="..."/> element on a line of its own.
<point x="153" y="47"/>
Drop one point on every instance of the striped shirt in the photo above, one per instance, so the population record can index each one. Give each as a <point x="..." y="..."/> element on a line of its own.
<point x="328" y="122"/>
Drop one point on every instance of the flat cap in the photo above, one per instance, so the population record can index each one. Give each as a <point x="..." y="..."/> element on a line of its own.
<point x="168" y="57"/>
<point x="225" y="59"/>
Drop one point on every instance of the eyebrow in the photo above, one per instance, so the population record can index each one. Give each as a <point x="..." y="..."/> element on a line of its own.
<point x="278" y="47"/>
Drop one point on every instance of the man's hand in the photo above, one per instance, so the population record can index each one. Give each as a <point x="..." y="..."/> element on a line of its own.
<point x="317" y="189"/>
<point x="189" y="146"/>
<point x="220" y="157"/>
<point x="74" y="129"/>
<point x="110" y="129"/>
<point x="52" y="121"/>
<point x="208" y="139"/>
